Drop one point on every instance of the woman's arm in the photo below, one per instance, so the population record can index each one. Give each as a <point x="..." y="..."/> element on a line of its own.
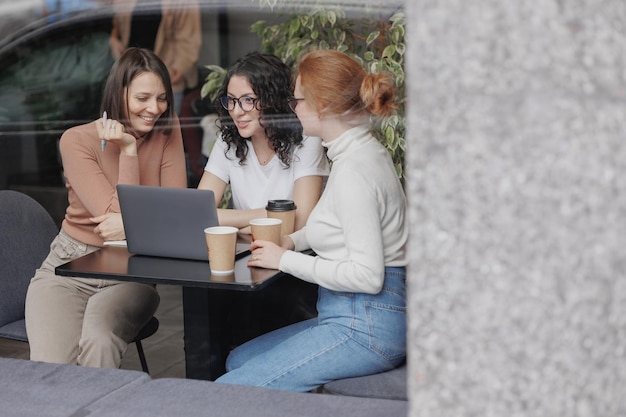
<point x="214" y="183"/>
<point x="116" y="45"/>
<point x="358" y="264"/>
<point x="115" y="38"/>
<point x="239" y="218"/>
<point x="172" y="174"/>
<point x="311" y="168"/>
<point x="228" y="217"/>
<point x="306" y="191"/>
<point x="182" y="38"/>
<point x="90" y="177"/>
<point x="89" y="174"/>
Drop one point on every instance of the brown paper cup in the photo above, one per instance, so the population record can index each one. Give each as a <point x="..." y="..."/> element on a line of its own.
<point x="222" y="277"/>
<point x="266" y="229"/>
<point x="284" y="210"/>
<point x="221" y="242"/>
<point x="288" y="218"/>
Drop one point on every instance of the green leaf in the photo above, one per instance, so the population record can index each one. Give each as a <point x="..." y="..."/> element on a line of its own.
<point x="323" y="19"/>
<point x="341" y="37"/>
<point x="205" y="90"/>
<point x="397" y="70"/>
<point x="390" y="134"/>
<point x="389" y="51"/>
<point x="294" y="26"/>
<point x="396" y="18"/>
<point x="372" y="37"/>
<point x="332" y="18"/>
<point x="400" y="30"/>
<point x="393" y="121"/>
<point x="401" y="49"/>
<point x="214" y="69"/>
<point x="306" y="22"/>
<point x="399" y="170"/>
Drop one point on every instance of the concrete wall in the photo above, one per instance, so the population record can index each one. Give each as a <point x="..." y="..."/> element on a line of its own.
<point x="517" y="187"/>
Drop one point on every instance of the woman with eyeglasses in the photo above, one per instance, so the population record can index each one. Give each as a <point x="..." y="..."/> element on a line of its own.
<point x="358" y="232"/>
<point x="261" y="151"/>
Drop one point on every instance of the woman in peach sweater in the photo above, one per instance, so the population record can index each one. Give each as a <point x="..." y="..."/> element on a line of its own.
<point x="90" y="322"/>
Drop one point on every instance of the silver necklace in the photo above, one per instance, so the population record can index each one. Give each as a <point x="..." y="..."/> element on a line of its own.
<point x="264" y="161"/>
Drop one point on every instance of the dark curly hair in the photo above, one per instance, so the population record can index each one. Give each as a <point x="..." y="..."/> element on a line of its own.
<point x="271" y="81"/>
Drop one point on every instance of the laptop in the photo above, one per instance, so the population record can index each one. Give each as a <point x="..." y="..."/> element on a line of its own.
<point x="169" y="222"/>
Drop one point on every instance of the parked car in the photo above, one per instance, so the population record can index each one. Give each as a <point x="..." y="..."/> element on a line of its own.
<point x="50" y="79"/>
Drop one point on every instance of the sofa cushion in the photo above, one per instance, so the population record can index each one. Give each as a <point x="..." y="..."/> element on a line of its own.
<point x="30" y="388"/>
<point x="15" y="330"/>
<point x="389" y="385"/>
<point x="186" y="397"/>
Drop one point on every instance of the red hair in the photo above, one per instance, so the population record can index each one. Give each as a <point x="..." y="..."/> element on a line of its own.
<point x="337" y="84"/>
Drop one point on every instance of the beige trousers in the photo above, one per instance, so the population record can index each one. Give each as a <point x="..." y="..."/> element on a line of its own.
<point x="83" y="321"/>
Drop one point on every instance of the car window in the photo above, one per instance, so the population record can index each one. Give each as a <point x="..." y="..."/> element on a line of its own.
<point x="47" y="79"/>
<point x="49" y="82"/>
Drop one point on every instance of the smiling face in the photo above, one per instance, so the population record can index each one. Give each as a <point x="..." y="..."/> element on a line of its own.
<point x="147" y="101"/>
<point x="247" y="122"/>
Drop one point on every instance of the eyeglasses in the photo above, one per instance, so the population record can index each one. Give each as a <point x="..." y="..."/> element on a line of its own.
<point x="245" y="103"/>
<point x="293" y="103"/>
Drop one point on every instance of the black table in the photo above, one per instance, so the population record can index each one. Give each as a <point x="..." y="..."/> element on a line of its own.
<point x="208" y="301"/>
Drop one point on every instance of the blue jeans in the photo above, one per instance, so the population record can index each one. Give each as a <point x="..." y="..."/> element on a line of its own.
<point x="354" y="334"/>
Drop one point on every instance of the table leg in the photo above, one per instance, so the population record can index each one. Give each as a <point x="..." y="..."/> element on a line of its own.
<point x="203" y="312"/>
<point x="217" y="320"/>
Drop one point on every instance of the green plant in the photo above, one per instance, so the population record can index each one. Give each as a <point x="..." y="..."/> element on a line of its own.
<point x="376" y="41"/>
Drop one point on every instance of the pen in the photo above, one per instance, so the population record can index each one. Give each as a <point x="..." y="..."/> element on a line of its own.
<point x="103" y="143"/>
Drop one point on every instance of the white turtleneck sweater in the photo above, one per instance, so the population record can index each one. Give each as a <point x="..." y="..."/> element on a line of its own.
<point x="358" y="226"/>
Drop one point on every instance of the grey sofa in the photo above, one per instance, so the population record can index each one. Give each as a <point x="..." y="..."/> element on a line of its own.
<point x="391" y="385"/>
<point x="39" y="389"/>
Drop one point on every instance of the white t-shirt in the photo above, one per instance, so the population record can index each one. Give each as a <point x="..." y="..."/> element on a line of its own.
<point x="252" y="184"/>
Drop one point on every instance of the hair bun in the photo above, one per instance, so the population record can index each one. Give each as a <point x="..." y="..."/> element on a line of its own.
<point x="378" y="93"/>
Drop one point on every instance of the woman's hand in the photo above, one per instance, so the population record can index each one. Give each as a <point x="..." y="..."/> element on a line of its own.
<point x="110" y="226"/>
<point x="265" y="254"/>
<point x="116" y="47"/>
<point x="115" y="132"/>
<point x="287" y="243"/>
<point x="175" y="75"/>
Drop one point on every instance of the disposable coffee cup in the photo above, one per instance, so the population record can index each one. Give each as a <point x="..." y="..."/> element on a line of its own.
<point x="222" y="277"/>
<point x="284" y="210"/>
<point x="266" y="229"/>
<point x="221" y="242"/>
